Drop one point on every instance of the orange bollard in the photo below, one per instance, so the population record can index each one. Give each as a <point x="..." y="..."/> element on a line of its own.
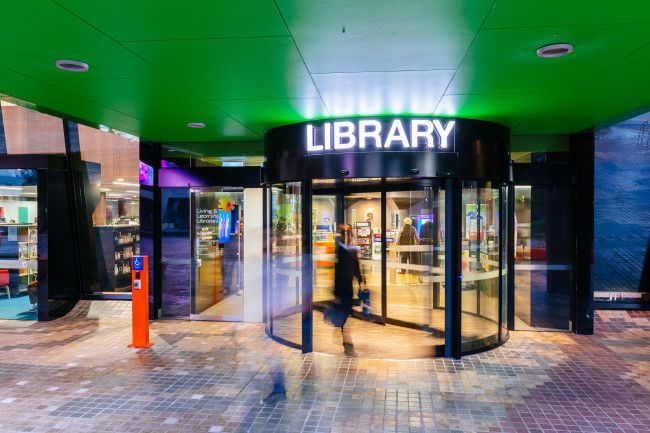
<point x="140" y="302"/>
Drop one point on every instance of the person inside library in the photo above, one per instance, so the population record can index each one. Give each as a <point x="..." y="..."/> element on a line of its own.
<point x="408" y="236"/>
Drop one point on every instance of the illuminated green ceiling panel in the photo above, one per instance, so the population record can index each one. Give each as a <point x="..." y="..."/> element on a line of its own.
<point x="245" y="66"/>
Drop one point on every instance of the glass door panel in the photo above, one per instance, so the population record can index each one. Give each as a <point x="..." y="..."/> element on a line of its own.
<point x="285" y="262"/>
<point x="480" y="265"/>
<point x="362" y="211"/>
<point x="542" y="257"/>
<point x="415" y="258"/>
<point x="217" y="255"/>
<point x="323" y="245"/>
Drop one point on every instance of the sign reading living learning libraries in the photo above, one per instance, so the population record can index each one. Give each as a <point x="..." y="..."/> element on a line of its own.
<point x="401" y="134"/>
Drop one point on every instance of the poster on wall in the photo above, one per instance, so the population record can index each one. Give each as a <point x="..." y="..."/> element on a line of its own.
<point x="471" y="220"/>
<point x="223" y="223"/>
<point x="145" y="174"/>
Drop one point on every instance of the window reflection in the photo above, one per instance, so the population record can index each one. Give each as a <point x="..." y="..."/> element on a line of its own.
<point x="286" y="261"/>
<point x="480" y="266"/>
<point x="113" y="193"/>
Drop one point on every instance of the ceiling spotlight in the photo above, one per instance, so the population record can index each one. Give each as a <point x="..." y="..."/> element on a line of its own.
<point x="196" y="125"/>
<point x="72" y="65"/>
<point x="554" y="50"/>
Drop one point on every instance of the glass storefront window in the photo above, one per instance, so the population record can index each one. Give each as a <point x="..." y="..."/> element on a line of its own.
<point x="18" y="244"/>
<point x="114" y="203"/>
<point x="285" y="273"/>
<point x="176" y="266"/>
<point x="621" y="249"/>
<point x="480" y="266"/>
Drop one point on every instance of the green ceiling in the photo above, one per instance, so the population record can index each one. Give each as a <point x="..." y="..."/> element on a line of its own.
<point x="245" y="66"/>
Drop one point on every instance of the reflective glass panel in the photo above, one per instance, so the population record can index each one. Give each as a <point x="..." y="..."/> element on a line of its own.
<point x="480" y="266"/>
<point x="285" y="248"/>
<point x="217" y="253"/>
<point x="18" y="245"/>
<point x="415" y="258"/>
<point x="543" y="256"/>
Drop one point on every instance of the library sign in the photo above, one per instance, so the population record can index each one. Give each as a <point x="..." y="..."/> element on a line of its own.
<point x="380" y="134"/>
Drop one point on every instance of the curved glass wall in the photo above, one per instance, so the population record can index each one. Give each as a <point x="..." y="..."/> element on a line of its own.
<point x="480" y="260"/>
<point x="399" y="230"/>
<point x="284" y="276"/>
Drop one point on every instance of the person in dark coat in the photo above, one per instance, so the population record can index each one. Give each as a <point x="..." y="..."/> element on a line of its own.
<point x="407" y="237"/>
<point x="346" y="269"/>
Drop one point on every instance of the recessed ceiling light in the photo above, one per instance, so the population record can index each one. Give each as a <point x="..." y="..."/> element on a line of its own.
<point x="72" y="65"/>
<point x="554" y="50"/>
<point x="196" y="125"/>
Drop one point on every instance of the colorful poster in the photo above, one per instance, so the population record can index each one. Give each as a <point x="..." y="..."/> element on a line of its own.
<point x="224" y="220"/>
<point x="471" y="220"/>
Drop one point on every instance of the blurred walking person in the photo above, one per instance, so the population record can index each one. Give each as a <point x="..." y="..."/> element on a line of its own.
<point x="346" y="270"/>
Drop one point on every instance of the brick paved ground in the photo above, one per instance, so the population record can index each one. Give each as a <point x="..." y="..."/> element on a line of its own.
<point x="76" y="375"/>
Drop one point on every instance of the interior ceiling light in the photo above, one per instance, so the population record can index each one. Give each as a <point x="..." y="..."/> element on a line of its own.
<point x="554" y="50"/>
<point x="72" y="65"/>
<point x="196" y="125"/>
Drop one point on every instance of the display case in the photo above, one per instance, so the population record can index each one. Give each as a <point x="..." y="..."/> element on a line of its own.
<point x="116" y="244"/>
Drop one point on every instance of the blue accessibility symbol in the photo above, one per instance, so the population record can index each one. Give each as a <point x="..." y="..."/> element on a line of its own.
<point x="138" y="263"/>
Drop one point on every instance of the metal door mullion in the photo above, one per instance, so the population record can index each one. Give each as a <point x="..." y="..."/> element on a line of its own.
<point x="453" y="272"/>
<point x="384" y="298"/>
<point x="193" y="269"/>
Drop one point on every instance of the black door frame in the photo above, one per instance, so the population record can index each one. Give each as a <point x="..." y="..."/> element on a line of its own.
<point x="547" y="174"/>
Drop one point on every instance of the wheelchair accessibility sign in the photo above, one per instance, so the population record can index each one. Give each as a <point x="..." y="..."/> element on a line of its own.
<point x="138" y="263"/>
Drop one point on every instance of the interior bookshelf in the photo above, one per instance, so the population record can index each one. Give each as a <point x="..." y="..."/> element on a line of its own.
<point x="117" y="244"/>
<point x="20" y="247"/>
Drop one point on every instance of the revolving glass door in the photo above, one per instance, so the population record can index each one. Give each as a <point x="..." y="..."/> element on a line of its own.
<point x="399" y="235"/>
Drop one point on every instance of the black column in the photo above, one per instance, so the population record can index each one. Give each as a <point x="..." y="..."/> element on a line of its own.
<point x="510" y="298"/>
<point x="340" y="210"/>
<point x="582" y="152"/>
<point x="151" y="226"/>
<point x="307" y="290"/>
<point x="453" y="272"/>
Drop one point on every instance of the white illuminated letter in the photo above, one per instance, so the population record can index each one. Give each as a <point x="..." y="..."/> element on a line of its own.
<point x="365" y="133"/>
<point x="397" y="133"/>
<point x="444" y="132"/>
<point x="328" y="136"/>
<point x="310" y="140"/>
<point x="344" y="130"/>
<point x="416" y="132"/>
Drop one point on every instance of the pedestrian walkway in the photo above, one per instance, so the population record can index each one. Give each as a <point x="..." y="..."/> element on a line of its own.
<point x="77" y="375"/>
